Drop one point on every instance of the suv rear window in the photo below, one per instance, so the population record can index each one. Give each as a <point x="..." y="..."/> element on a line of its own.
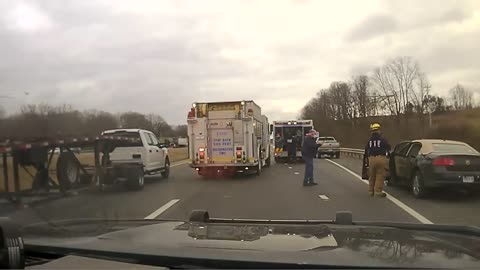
<point x="453" y="148"/>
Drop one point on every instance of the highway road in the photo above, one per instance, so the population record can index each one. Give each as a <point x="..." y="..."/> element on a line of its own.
<point x="276" y="194"/>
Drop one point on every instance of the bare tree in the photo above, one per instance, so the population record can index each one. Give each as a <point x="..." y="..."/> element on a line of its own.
<point x="135" y="120"/>
<point x="361" y="99"/>
<point x="461" y="97"/>
<point x="159" y="126"/>
<point x="340" y="93"/>
<point x="405" y="71"/>
<point x="98" y="121"/>
<point x="396" y="81"/>
<point x="420" y="94"/>
<point x="385" y="87"/>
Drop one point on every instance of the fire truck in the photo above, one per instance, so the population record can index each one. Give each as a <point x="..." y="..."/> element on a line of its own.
<point x="288" y="132"/>
<point x="228" y="138"/>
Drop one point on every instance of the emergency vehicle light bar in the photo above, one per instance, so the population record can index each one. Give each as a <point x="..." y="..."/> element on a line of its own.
<point x="294" y="122"/>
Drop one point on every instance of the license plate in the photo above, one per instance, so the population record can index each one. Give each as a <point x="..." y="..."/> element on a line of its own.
<point x="468" y="179"/>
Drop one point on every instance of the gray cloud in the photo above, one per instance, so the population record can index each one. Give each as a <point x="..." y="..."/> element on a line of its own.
<point x="108" y="62"/>
<point x="372" y="26"/>
<point x="93" y="55"/>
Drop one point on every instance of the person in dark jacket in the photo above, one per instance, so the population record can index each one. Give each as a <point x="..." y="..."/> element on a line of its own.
<point x="292" y="149"/>
<point x="309" y="151"/>
<point x="376" y="149"/>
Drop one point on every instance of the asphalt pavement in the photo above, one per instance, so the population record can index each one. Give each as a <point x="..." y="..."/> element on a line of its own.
<point x="277" y="193"/>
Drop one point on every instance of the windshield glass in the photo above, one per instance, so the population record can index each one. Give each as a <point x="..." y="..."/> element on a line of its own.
<point x="230" y="103"/>
<point x="452" y="148"/>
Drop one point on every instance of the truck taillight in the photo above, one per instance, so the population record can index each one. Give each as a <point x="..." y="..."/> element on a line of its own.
<point x="201" y="153"/>
<point x="239" y="154"/>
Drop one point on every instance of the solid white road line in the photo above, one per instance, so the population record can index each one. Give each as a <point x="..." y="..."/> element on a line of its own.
<point x="396" y="201"/>
<point x="323" y="197"/>
<point x="162" y="209"/>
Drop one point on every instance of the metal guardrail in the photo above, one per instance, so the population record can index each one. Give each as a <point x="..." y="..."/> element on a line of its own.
<point x="352" y="152"/>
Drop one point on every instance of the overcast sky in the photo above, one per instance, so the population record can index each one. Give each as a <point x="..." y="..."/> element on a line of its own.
<point x="160" y="56"/>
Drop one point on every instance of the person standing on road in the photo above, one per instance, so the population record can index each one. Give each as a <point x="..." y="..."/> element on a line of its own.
<point x="292" y="149"/>
<point x="279" y="143"/>
<point x="376" y="149"/>
<point x="309" y="150"/>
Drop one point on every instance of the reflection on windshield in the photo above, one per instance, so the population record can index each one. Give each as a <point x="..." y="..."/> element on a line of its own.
<point x="390" y="245"/>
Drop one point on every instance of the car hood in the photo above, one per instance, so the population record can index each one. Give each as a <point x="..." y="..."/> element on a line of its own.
<point x="316" y="244"/>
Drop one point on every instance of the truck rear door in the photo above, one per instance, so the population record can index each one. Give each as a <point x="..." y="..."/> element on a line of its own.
<point x="129" y="152"/>
<point x="221" y="148"/>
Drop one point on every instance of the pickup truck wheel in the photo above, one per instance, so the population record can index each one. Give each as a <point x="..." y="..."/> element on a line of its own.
<point x="166" y="172"/>
<point x="135" y="179"/>
<point x="68" y="172"/>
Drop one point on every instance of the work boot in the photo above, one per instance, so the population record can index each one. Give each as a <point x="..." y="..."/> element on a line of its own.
<point x="380" y="194"/>
<point x="370" y="193"/>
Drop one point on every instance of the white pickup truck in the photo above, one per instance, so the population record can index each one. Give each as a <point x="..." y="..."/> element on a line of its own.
<point x="147" y="155"/>
<point x="328" y="146"/>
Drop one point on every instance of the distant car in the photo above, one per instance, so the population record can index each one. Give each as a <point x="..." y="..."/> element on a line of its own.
<point x="75" y="150"/>
<point x="329" y="146"/>
<point x="426" y="164"/>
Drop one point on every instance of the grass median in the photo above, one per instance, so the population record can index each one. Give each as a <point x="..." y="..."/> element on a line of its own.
<point x="26" y="174"/>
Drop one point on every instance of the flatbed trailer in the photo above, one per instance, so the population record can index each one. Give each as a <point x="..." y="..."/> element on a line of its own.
<point x="71" y="174"/>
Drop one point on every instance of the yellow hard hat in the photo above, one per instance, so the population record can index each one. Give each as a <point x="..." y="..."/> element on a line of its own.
<point x="374" y="126"/>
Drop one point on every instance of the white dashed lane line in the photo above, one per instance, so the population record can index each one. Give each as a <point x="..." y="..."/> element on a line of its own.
<point x="323" y="197"/>
<point x="162" y="209"/>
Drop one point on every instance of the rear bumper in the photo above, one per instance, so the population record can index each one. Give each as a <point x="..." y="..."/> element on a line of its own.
<point x="329" y="151"/>
<point x="223" y="166"/>
<point x="284" y="154"/>
<point x="454" y="179"/>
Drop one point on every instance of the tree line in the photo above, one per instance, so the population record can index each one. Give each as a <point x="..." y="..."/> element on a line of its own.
<point x="398" y="87"/>
<point x="47" y="121"/>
